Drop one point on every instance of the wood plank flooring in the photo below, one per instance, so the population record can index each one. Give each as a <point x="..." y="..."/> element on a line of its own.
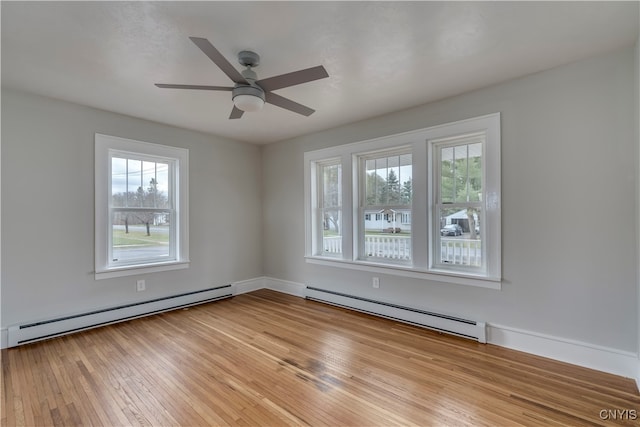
<point x="269" y="359"/>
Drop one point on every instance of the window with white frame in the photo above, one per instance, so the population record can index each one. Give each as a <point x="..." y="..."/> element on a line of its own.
<point x="141" y="207"/>
<point x="458" y="175"/>
<point x="329" y="207"/>
<point x="385" y="194"/>
<point x="422" y="204"/>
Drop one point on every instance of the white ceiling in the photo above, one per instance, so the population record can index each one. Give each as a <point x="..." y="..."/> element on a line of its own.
<point x="381" y="56"/>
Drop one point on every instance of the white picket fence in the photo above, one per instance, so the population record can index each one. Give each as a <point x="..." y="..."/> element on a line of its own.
<point x="388" y="247"/>
<point x="332" y="244"/>
<point x="452" y="250"/>
<point x="461" y="252"/>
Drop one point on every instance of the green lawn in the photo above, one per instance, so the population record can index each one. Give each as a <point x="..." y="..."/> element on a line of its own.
<point x="139" y="238"/>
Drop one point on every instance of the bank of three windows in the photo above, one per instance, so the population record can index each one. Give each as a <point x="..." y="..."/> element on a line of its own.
<point x="422" y="202"/>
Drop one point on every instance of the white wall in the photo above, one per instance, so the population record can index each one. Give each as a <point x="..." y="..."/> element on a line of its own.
<point x="568" y="171"/>
<point x="48" y="205"/>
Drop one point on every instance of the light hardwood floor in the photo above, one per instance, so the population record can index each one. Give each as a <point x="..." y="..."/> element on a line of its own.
<point x="267" y="358"/>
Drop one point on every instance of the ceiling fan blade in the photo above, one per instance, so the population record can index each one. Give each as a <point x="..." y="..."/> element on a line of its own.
<point x="236" y="113"/>
<point x="199" y="87"/>
<point x="287" y="104"/>
<point x="219" y="60"/>
<point x="292" y="79"/>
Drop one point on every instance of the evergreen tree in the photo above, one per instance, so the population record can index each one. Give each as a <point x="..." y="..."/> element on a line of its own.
<point x="406" y="192"/>
<point x="375" y="189"/>
<point x="392" y="188"/>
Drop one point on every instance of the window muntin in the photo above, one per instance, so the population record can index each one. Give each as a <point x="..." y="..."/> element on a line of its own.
<point x="141" y="207"/>
<point x="386" y="185"/>
<point x="458" y="206"/>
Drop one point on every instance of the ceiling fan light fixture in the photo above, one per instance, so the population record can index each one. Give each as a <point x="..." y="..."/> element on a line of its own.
<point x="248" y="98"/>
<point x="248" y="103"/>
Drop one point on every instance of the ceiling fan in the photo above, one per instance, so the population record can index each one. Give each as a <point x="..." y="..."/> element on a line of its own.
<point x="249" y="93"/>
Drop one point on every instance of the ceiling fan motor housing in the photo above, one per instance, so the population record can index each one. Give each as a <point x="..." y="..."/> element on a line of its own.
<point x="245" y="97"/>
<point x="247" y="90"/>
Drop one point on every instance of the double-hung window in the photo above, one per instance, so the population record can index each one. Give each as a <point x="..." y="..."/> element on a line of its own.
<point x="385" y="180"/>
<point x="328" y="214"/>
<point x="423" y="204"/>
<point x="458" y="176"/>
<point x="141" y="207"/>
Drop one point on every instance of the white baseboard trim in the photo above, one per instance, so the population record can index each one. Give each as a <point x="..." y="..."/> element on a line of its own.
<point x="4" y="338"/>
<point x="250" y="285"/>
<point x="285" y="286"/>
<point x="605" y="359"/>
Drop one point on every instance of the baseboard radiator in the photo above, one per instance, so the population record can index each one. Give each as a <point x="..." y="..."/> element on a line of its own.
<point x="37" y="331"/>
<point x="438" y="322"/>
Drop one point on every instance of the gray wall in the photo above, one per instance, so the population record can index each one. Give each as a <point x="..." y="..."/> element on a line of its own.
<point x="568" y="181"/>
<point x="48" y="205"/>
<point x="570" y="161"/>
<point x="637" y="128"/>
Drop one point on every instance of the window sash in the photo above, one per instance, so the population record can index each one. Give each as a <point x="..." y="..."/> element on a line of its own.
<point x="392" y="248"/>
<point x="457" y="254"/>
<point x="129" y="186"/>
<point x="324" y="210"/>
<point x="364" y="159"/>
<point x="142" y="246"/>
<point x="148" y="256"/>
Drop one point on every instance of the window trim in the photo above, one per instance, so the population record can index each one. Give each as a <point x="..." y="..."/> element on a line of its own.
<point x="421" y="143"/>
<point x="105" y="147"/>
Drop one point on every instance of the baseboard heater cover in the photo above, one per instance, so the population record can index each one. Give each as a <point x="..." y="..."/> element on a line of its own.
<point x="37" y="331"/>
<point x="439" y="322"/>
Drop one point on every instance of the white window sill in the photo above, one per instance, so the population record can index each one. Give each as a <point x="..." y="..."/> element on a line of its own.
<point x="140" y="269"/>
<point x="402" y="271"/>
